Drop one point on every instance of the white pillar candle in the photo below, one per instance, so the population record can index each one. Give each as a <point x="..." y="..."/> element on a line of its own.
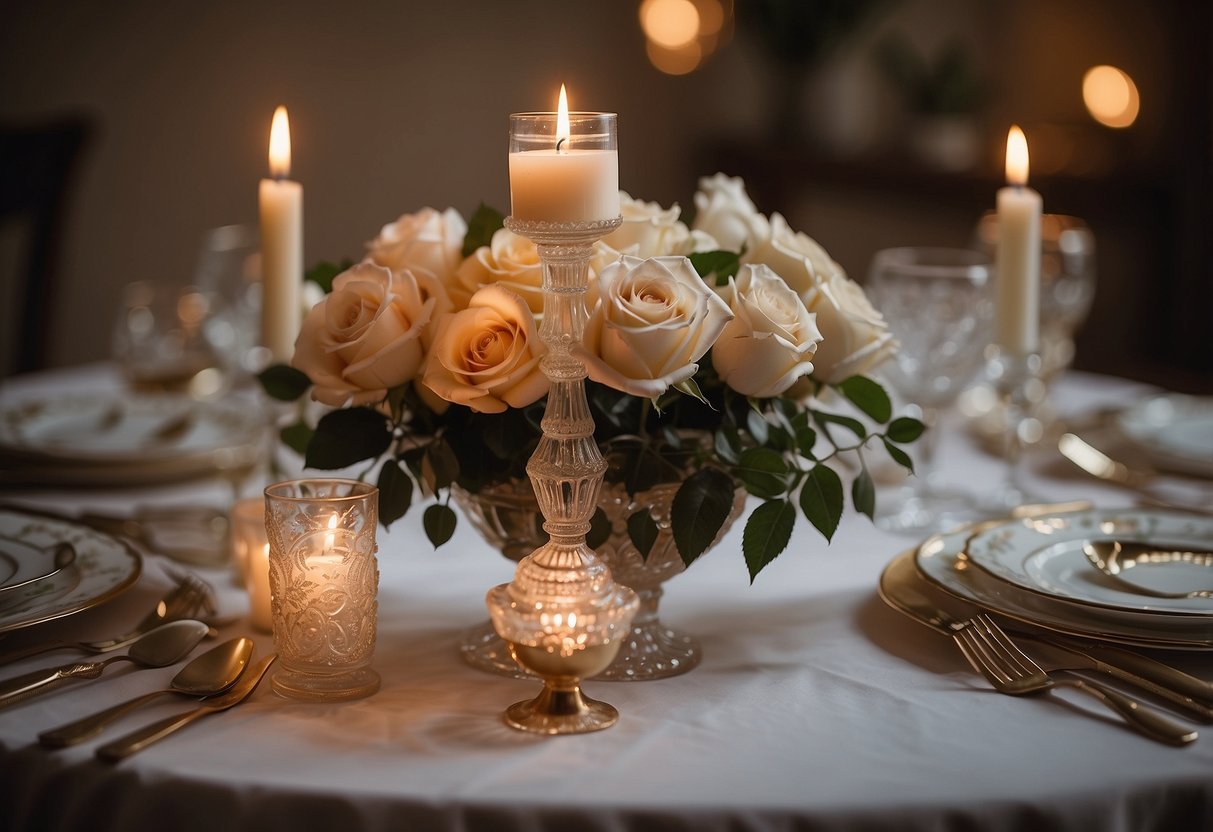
<point x="281" y="203"/>
<point x="1017" y="303"/>
<point x="564" y="182"/>
<point x="260" y="616"/>
<point x="246" y="524"/>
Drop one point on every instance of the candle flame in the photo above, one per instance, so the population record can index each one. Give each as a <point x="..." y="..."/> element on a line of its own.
<point x="330" y="539"/>
<point x="562" y="121"/>
<point x="280" y="145"/>
<point x="1017" y="156"/>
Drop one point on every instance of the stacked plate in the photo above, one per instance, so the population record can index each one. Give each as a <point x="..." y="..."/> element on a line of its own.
<point x="1172" y="431"/>
<point x="1035" y="570"/>
<point x="103" y="568"/>
<point x="107" y="439"/>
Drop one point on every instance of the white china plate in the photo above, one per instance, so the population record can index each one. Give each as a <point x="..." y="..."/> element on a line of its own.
<point x="1044" y="554"/>
<point x="939" y="562"/>
<point x="20" y="561"/>
<point x="107" y="439"/>
<point x="104" y="567"/>
<point x="1174" y="431"/>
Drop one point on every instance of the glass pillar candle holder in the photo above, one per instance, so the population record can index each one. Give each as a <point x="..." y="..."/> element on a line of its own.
<point x="323" y="585"/>
<point x="250" y="551"/>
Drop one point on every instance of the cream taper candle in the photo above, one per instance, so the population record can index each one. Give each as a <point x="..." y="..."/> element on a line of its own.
<point x="281" y="203"/>
<point x="569" y="174"/>
<point x="1017" y="304"/>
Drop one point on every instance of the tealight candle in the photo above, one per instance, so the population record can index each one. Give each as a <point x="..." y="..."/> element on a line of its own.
<point x="563" y="167"/>
<point x="260" y="608"/>
<point x="250" y="547"/>
<point x="281" y="203"/>
<point x="1017" y="302"/>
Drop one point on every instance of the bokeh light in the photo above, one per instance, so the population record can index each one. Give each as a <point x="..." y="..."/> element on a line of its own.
<point x="674" y="61"/>
<point x="1111" y="96"/>
<point x="671" y="24"/>
<point x="681" y="34"/>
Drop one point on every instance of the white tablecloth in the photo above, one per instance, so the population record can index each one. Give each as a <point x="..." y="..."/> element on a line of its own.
<point x="815" y="707"/>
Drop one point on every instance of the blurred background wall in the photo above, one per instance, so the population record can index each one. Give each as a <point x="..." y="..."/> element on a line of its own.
<point x="869" y="123"/>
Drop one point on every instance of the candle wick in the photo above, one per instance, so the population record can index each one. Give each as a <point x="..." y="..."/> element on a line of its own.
<point x="559" y="144"/>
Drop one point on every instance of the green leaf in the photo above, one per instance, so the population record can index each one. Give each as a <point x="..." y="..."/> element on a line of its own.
<point x="690" y="388"/>
<point x="439" y="522"/>
<point x="853" y="425"/>
<point x="344" y="437"/>
<point x="728" y="444"/>
<point x="904" y="429"/>
<point x="481" y="227"/>
<point x="642" y="529"/>
<point x="322" y="273"/>
<point x="763" y="472"/>
<point x="821" y="500"/>
<point x="439" y="466"/>
<point x="868" y="396"/>
<point x="758" y="427"/>
<point x="395" y="492"/>
<point x="286" y="384"/>
<point x="600" y="529"/>
<point x="806" y="439"/>
<point x="722" y="264"/>
<point x="863" y="493"/>
<point x="296" y="437"/>
<point x="767" y="532"/>
<point x="702" y="504"/>
<point x="899" y="456"/>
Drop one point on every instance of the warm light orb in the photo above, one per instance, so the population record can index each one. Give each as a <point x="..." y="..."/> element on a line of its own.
<point x="1111" y="96"/>
<point x="563" y="130"/>
<point x="280" y="145"/>
<point x="671" y="24"/>
<point x="674" y="61"/>
<point x="1017" y="157"/>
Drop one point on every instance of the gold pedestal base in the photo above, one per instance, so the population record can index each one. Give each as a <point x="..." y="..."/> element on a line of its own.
<point x="561" y="711"/>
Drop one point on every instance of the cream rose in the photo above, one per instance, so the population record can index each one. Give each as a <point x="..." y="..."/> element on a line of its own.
<point x="855" y="338"/>
<point x="654" y="319"/>
<point x="487" y="356"/>
<point x="365" y="337"/>
<point x="797" y="258"/>
<point x="427" y="240"/>
<point x="509" y="261"/>
<point x="770" y="342"/>
<point x="724" y="211"/>
<point x="648" y="230"/>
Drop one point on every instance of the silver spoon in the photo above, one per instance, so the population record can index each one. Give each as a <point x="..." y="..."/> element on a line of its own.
<point x="165" y="645"/>
<point x="1114" y="557"/>
<point x="213" y="672"/>
<point x="63" y="555"/>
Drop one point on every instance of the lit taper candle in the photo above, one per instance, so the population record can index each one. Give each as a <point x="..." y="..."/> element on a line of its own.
<point x="281" y="202"/>
<point x="1017" y="309"/>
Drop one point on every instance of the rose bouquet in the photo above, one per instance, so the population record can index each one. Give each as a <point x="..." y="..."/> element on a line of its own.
<point x="725" y="354"/>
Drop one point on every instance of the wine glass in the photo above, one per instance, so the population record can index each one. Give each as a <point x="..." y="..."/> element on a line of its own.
<point x="937" y="304"/>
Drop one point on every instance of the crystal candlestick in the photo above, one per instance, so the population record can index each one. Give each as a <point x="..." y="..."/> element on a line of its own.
<point x="563" y="616"/>
<point x="1017" y="379"/>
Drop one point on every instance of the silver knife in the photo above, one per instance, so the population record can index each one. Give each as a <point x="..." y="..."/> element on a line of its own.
<point x="902" y="588"/>
<point x="123" y="747"/>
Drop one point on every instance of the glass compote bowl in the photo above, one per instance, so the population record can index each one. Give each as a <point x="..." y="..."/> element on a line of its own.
<point x="937" y="305"/>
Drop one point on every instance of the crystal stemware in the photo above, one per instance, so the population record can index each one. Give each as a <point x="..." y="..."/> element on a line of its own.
<point x="937" y="305"/>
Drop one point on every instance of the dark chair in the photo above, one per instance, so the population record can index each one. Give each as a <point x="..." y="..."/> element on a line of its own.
<point x="37" y="169"/>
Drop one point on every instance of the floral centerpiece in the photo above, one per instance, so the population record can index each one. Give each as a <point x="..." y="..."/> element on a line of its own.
<point x="724" y="355"/>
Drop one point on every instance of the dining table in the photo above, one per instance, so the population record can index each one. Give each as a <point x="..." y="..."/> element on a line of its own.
<point x="816" y="706"/>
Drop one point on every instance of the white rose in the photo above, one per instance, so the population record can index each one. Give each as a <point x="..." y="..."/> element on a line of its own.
<point x="855" y="338"/>
<point x="770" y="342"/>
<point x="724" y="210"/>
<point x="509" y="261"/>
<point x="648" y="230"/>
<point x="426" y="240"/>
<point x="487" y="356"/>
<point x="654" y="319"/>
<point x="797" y="258"/>
<point x="364" y="337"/>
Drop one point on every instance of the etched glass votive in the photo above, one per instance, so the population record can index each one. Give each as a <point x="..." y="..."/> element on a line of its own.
<point x="323" y="584"/>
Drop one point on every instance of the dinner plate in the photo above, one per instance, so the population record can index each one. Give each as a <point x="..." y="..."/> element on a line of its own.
<point x="104" y="439"/>
<point x="938" y="560"/>
<point x="1045" y="555"/>
<point x="1174" y="431"/>
<point x="103" y="568"/>
<point x="21" y="561"/>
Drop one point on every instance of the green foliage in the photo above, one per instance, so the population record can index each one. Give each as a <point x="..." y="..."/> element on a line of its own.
<point x="284" y="383"/>
<point x="296" y="436"/>
<point x="717" y="265"/>
<point x="481" y="227"/>
<point x="395" y="492"/>
<point x="346" y="437"/>
<point x="439" y="523"/>
<point x="767" y="533"/>
<point x="642" y="531"/>
<point x="700" y="508"/>
<point x="322" y="273"/>
<point x="821" y="499"/>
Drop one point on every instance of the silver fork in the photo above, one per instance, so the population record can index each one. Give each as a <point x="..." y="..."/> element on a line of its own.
<point x="190" y="597"/>
<point x="1011" y="671"/>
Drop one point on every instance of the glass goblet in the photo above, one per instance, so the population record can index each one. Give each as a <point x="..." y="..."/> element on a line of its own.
<point x="937" y="305"/>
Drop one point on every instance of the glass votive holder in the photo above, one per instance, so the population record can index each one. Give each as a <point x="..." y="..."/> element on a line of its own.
<point x="323" y="584"/>
<point x="250" y="553"/>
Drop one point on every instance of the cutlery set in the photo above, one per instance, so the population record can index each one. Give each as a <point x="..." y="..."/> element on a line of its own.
<point x="1040" y="656"/>
<point x="218" y="679"/>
